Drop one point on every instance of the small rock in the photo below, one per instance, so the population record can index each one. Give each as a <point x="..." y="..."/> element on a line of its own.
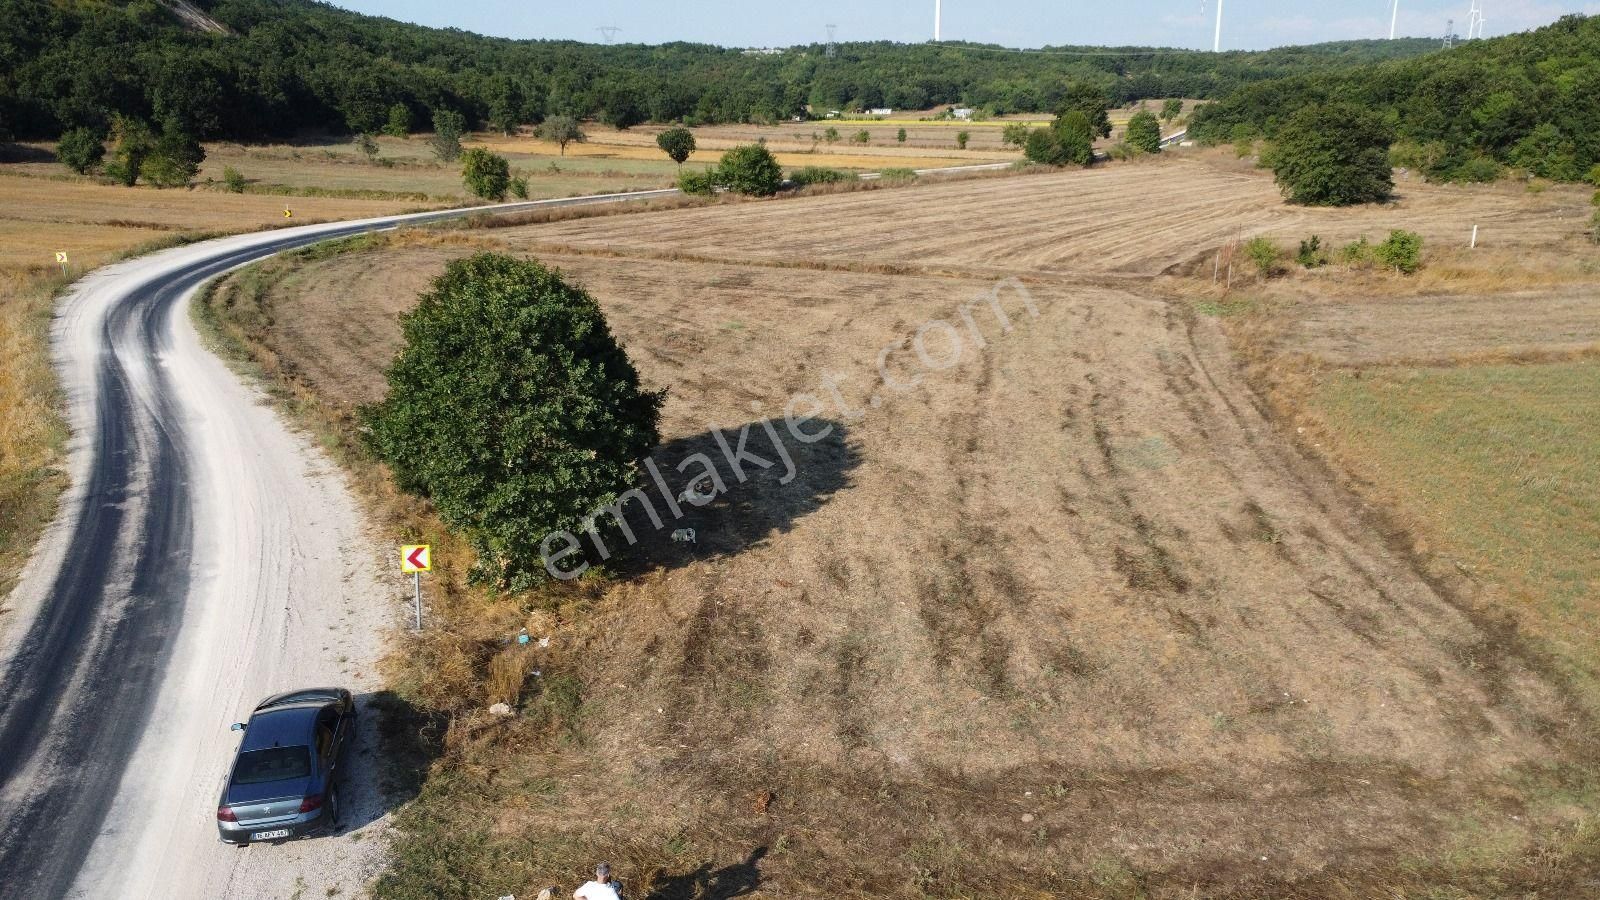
<point x="1026" y="818"/>
<point x="500" y="709"/>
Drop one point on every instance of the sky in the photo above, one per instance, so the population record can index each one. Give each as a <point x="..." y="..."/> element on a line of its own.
<point x="1247" y="24"/>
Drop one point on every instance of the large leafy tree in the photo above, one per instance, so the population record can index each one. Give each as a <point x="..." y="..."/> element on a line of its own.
<point x="513" y="408"/>
<point x="487" y="174"/>
<point x="677" y="143"/>
<point x="1084" y="97"/>
<point x="448" y="127"/>
<point x="750" y="169"/>
<point x="1333" y="155"/>
<point x="562" y="130"/>
<point x="81" y="149"/>
<point x="1068" y="141"/>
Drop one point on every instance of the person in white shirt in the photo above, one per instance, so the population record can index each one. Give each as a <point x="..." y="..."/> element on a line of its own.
<point x="601" y="888"/>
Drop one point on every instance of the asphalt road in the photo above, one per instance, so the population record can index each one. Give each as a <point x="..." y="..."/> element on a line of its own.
<point x="99" y="613"/>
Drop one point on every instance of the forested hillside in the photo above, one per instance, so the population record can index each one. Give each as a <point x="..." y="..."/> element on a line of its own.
<point x="1529" y="100"/>
<point x="286" y="66"/>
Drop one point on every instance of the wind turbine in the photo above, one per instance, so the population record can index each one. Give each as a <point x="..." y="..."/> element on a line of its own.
<point x="1216" y="42"/>
<point x="936" y="17"/>
<point x="1393" y="18"/>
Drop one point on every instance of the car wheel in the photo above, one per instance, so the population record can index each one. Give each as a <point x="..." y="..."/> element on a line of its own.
<point x="333" y="808"/>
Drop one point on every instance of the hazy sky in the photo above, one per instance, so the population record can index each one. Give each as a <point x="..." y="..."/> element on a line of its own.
<point x="1247" y="24"/>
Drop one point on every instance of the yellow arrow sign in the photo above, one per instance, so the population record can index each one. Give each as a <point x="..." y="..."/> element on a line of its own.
<point x="415" y="558"/>
<point x="287" y="214"/>
<point x="61" y="256"/>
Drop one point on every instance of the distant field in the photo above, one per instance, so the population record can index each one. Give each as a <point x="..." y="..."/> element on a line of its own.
<point x="1069" y="617"/>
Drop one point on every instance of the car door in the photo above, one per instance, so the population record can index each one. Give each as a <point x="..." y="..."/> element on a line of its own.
<point x="328" y="742"/>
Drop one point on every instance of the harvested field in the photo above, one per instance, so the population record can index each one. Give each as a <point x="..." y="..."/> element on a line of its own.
<point x="1050" y="608"/>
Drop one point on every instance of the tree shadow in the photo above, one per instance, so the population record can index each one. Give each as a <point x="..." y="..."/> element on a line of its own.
<point x="694" y="483"/>
<point x="705" y="883"/>
<point x="24" y="153"/>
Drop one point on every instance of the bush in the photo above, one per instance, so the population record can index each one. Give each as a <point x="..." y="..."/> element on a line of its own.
<point x="1014" y="135"/>
<point x="677" y="143"/>
<point x="1356" y="254"/>
<point x="1069" y="139"/>
<point x="699" y="184"/>
<point x="519" y="188"/>
<point x="399" y="124"/>
<point x="961" y="139"/>
<point x="831" y="135"/>
<point x="1547" y="153"/>
<point x="1336" y="155"/>
<point x="513" y="409"/>
<point x="1310" y="254"/>
<point x="133" y="141"/>
<point x="900" y="135"/>
<point x="1594" y="227"/>
<point x="174" y="161"/>
<point x="81" y="149"/>
<point x="1476" y="170"/>
<point x="1144" y="132"/>
<point x="819" y="175"/>
<point x="368" y="145"/>
<point x="750" y="169"/>
<point x="861" y="137"/>
<point x="1402" y="251"/>
<point x="1264" y="253"/>
<point x="487" y="174"/>
<point x="233" y="179"/>
<point x="897" y="176"/>
<point x="448" y="127"/>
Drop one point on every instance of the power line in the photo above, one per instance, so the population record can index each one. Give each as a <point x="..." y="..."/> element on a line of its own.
<point x="608" y="31"/>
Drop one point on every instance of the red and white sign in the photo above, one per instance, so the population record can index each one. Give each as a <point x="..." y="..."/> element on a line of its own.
<point x="415" y="558"/>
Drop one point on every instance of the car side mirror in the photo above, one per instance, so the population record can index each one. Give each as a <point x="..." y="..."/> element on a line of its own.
<point x="237" y="726"/>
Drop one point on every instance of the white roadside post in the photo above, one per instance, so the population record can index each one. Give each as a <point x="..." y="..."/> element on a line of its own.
<point x="414" y="560"/>
<point x="1474" y="245"/>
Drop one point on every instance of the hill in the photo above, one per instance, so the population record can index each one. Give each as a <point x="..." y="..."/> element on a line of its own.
<point x="273" y="68"/>
<point x="1531" y="100"/>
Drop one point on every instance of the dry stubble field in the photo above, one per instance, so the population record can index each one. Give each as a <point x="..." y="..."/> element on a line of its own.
<point x="1072" y="616"/>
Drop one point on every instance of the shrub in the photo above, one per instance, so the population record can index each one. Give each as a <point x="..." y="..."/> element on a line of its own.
<point x="1594" y="227"/>
<point x="1402" y="251"/>
<point x="519" y="188"/>
<point x="961" y="139"/>
<point x="677" y="143"/>
<point x="831" y="135"/>
<point x="487" y="174"/>
<point x="1547" y="153"/>
<point x="1264" y="253"/>
<point x="1356" y="254"/>
<point x="174" y="161"/>
<point x="513" y="409"/>
<point x="399" y="123"/>
<point x="1310" y="254"/>
<point x="1476" y="170"/>
<point x="448" y="127"/>
<point x="897" y="175"/>
<point x="233" y="179"/>
<point x="1335" y="155"/>
<point x="81" y="149"/>
<point x="1014" y="135"/>
<point x="699" y="184"/>
<point x="819" y="175"/>
<point x="861" y="137"/>
<point x="368" y="145"/>
<point x="133" y="141"/>
<point x="1122" y="151"/>
<point x="1069" y="139"/>
<point x="900" y="135"/>
<point x="1171" y="109"/>
<point x="750" y="169"/>
<point x="1144" y="132"/>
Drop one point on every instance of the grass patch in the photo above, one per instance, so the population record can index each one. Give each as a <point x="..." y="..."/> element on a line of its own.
<point x="1496" y="465"/>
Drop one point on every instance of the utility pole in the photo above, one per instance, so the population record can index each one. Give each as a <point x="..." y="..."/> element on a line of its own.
<point x="1216" y="42"/>
<point x="1394" y="17"/>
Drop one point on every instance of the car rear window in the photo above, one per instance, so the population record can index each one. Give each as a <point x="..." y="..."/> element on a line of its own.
<point x="272" y="764"/>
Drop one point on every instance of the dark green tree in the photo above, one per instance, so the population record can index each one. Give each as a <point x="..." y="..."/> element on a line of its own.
<point x="448" y="127"/>
<point x="1171" y="109"/>
<point x="750" y="169"/>
<point x="1333" y="155"/>
<point x="677" y="143"/>
<point x="487" y="174"/>
<point x="81" y="149"/>
<point x="1144" y="132"/>
<point x="1085" y="98"/>
<point x="1014" y="134"/>
<point x="175" y="159"/>
<point x="132" y="142"/>
<point x="513" y="408"/>
<point x="900" y="135"/>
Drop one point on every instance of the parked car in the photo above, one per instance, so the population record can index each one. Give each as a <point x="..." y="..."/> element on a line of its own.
<point x="284" y="782"/>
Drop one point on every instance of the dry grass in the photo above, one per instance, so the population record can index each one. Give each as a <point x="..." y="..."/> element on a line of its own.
<point x="1068" y="619"/>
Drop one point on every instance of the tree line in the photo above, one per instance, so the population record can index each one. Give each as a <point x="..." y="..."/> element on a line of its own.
<point x="287" y="67"/>
<point x="1529" y="100"/>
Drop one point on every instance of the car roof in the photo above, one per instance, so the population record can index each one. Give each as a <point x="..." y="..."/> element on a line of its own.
<point x="281" y="726"/>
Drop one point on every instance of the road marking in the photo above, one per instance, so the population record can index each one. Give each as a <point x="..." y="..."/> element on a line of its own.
<point x="414" y="558"/>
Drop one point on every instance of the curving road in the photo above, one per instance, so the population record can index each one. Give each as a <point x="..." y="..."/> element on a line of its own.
<point x="203" y="557"/>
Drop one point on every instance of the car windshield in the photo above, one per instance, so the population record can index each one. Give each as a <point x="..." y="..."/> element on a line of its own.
<point x="272" y="764"/>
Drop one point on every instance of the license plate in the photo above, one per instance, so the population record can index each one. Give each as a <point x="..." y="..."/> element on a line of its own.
<point x="270" y="835"/>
